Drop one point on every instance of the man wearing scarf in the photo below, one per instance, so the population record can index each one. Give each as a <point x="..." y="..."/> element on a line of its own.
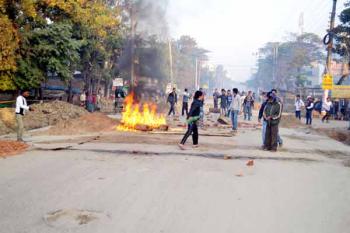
<point x="272" y="115"/>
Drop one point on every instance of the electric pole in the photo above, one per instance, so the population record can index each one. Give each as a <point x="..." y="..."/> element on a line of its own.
<point x="171" y="63"/>
<point x="132" y="45"/>
<point x="330" y="46"/>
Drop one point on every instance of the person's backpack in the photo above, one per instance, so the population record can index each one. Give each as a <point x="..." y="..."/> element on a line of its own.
<point x="318" y="106"/>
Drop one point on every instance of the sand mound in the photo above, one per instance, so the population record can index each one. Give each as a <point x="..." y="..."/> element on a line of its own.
<point x="44" y="114"/>
<point x="8" y="148"/>
<point x="289" y="121"/>
<point x="341" y="135"/>
<point x="89" y="123"/>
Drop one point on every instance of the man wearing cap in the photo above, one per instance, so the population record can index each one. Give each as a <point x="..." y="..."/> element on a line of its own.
<point x="21" y="108"/>
<point x="272" y="115"/>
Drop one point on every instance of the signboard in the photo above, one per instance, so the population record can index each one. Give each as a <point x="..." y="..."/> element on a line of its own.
<point x="341" y="92"/>
<point x="118" y="82"/>
<point x="327" y="82"/>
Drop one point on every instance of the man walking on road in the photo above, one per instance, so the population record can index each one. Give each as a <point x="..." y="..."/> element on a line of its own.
<point x="235" y="107"/>
<point x="299" y="104"/>
<point x="21" y="108"/>
<point x="272" y="115"/>
<point x="172" y="100"/>
<point x="185" y="99"/>
<point x="192" y="120"/>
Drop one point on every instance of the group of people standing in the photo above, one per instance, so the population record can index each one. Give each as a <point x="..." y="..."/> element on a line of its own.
<point x="231" y="104"/>
<point x="90" y="101"/>
<point x="310" y="106"/>
<point x="226" y="100"/>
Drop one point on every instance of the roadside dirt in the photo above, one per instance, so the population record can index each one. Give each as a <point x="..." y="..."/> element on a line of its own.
<point x="44" y="114"/>
<point x="9" y="148"/>
<point x="89" y="123"/>
<point x="289" y="121"/>
<point x="341" y="135"/>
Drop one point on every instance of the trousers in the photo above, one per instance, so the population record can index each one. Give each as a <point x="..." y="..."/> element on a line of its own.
<point x="234" y="119"/>
<point x="191" y="130"/>
<point x="184" y="108"/>
<point x="271" y="136"/>
<point x="20" y="126"/>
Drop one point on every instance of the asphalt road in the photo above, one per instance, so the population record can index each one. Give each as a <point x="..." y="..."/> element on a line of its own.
<point x="93" y="188"/>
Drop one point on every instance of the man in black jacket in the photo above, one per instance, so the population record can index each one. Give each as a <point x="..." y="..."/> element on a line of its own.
<point x="192" y="120"/>
<point x="172" y="100"/>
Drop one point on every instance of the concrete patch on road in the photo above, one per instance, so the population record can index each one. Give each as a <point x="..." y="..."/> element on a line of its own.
<point x="73" y="218"/>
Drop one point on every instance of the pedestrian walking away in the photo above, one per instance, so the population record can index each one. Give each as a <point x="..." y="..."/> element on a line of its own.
<point x="185" y="100"/>
<point x="235" y="108"/>
<point x="299" y="104"/>
<point x="272" y="114"/>
<point x="192" y="120"/>
<point x="21" y="108"/>
<point x="309" y="109"/>
<point x="172" y="100"/>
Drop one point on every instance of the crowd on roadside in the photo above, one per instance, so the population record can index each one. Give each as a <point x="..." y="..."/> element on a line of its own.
<point x="328" y="109"/>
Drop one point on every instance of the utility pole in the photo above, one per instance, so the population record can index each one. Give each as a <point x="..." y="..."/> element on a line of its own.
<point x="274" y="65"/>
<point x="171" y="63"/>
<point x="301" y="23"/>
<point x="196" y="74"/>
<point x="330" y="46"/>
<point x="132" y="45"/>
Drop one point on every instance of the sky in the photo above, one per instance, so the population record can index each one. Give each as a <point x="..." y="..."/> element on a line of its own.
<point x="234" y="30"/>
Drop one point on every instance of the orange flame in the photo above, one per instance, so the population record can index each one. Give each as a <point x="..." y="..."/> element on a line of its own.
<point x="133" y="116"/>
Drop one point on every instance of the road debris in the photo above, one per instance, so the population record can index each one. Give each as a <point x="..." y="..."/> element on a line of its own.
<point x="8" y="148"/>
<point x="250" y="163"/>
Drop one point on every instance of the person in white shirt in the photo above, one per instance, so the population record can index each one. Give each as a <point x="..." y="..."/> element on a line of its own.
<point x="309" y="108"/>
<point x="299" y="104"/>
<point x="21" y="108"/>
<point x="185" y="100"/>
<point x="83" y="99"/>
<point x="326" y="106"/>
<point x="235" y="108"/>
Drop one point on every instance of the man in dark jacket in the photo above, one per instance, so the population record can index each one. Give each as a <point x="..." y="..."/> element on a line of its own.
<point x="172" y="100"/>
<point x="272" y="115"/>
<point x="192" y="119"/>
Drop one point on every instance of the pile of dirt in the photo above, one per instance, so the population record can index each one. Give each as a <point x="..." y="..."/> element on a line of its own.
<point x="341" y="135"/>
<point x="89" y="123"/>
<point x="44" y="114"/>
<point x="4" y="129"/>
<point x="8" y="148"/>
<point x="290" y="121"/>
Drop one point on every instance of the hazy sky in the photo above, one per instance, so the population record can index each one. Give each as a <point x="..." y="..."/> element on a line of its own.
<point x="234" y="29"/>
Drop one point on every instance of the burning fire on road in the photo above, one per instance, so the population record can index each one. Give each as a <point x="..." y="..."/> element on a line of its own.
<point x="143" y="118"/>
